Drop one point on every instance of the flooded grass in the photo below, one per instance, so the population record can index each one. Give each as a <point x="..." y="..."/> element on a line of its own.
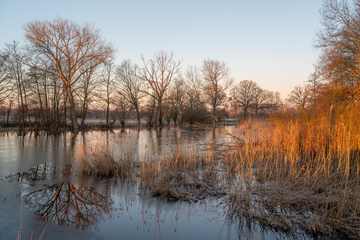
<point x="183" y="175"/>
<point x="293" y="176"/>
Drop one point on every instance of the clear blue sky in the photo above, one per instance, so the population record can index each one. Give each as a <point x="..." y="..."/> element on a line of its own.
<point x="268" y="41"/>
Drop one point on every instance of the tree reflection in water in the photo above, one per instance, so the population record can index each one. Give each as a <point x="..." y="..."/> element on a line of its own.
<point x="65" y="204"/>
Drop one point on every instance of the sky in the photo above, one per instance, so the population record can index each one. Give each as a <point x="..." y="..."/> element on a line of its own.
<point x="267" y="41"/>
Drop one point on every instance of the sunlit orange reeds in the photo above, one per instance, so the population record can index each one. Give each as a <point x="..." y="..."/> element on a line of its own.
<point x="302" y="172"/>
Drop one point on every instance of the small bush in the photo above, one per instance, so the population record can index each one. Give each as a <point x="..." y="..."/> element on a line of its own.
<point x="193" y="116"/>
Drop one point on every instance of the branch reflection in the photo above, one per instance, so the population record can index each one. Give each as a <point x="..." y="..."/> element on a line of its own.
<point x="65" y="204"/>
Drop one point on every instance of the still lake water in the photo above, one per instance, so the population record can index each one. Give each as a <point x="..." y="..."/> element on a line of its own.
<point x="39" y="168"/>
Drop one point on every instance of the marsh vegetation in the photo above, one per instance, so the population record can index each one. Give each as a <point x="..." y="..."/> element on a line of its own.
<point x="289" y="165"/>
<point x="294" y="173"/>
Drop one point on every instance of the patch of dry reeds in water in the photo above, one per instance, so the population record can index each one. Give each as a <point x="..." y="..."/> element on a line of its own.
<point x="292" y="173"/>
<point x="100" y="160"/>
<point x="186" y="173"/>
<point x="302" y="172"/>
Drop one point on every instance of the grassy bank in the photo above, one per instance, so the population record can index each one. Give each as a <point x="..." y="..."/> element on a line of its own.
<point x="295" y="172"/>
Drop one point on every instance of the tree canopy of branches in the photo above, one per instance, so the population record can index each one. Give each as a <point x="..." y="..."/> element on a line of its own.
<point x="193" y="85"/>
<point x="339" y="41"/>
<point x="66" y="50"/>
<point x="261" y="96"/>
<point x="176" y="98"/>
<point x="300" y="97"/>
<point x="123" y="109"/>
<point x="130" y="86"/>
<point x="5" y="80"/>
<point x="17" y="70"/>
<point x="159" y="72"/>
<point x="108" y="81"/>
<point x="216" y="79"/>
<point x="244" y="93"/>
<point x="86" y="92"/>
<point x="314" y="85"/>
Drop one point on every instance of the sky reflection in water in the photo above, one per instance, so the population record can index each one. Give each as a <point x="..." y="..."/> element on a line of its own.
<point x="108" y="207"/>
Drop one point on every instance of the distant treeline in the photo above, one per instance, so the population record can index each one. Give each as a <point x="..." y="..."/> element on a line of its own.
<point x="66" y="69"/>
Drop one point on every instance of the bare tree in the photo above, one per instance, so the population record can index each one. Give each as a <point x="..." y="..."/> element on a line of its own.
<point x="314" y="84"/>
<point x="159" y="72"/>
<point x="130" y="85"/>
<point x="108" y="80"/>
<point x="123" y="109"/>
<point x="41" y="82"/>
<point x="176" y="98"/>
<point x="150" y="109"/>
<point x="47" y="99"/>
<point x="278" y="103"/>
<point x="261" y="96"/>
<point x="244" y="93"/>
<point x="6" y="87"/>
<point x="86" y="91"/>
<point x="193" y="88"/>
<point x="300" y="96"/>
<point x="166" y="107"/>
<point x="216" y="80"/>
<point x="17" y="68"/>
<point x="71" y="49"/>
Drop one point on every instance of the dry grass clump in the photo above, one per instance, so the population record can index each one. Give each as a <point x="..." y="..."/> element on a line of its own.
<point x="301" y="173"/>
<point x="190" y="185"/>
<point x="100" y="160"/>
<point x="185" y="175"/>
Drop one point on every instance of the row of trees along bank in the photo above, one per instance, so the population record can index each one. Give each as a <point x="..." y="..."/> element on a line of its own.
<point x="66" y="70"/>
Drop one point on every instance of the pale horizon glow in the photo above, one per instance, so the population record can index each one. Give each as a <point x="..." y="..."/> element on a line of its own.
<point x="269" y="42"/>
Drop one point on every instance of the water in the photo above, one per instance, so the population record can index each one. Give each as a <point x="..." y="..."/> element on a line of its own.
<point x="40" y="169"/>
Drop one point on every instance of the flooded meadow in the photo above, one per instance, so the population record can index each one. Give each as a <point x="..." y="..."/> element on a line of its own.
<point x="39" y="185"/>
<point x="44" y="186"/>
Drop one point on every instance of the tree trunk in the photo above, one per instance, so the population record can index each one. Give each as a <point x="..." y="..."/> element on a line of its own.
<point x="56" y="106"/>
<point x="174" y="120"/>
<point x="40" y="102"/>
<point x="138" y="115"/>
<point x="26" y="105"/>
<point x="213" y="113"/>
<point x="107" y="112"/>
<point x="84" y="113"/>
<point x="65" y="109"/>
<point x="8" y="114"/>
<point x="83" y="118"/>
<point x="107" y="104"/>
<point x="158" y="119"/>
<point x="72" y="110"/>
<point x="47" y="112"/>
<point x="22" y="108"/>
